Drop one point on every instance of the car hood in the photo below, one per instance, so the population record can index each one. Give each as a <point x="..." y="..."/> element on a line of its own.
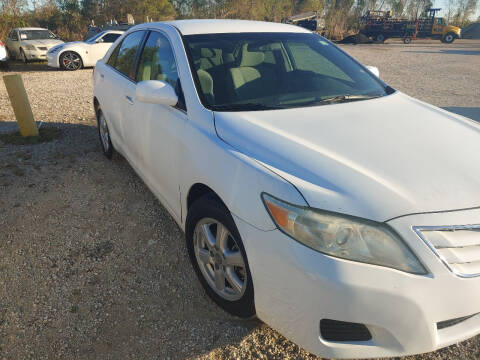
<point x="377" y="159"/>
<point x="44" y="42"/>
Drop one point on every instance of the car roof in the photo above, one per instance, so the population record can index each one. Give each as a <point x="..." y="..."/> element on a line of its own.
<point x="217" y="26"/>
<point x="113" y="31"/>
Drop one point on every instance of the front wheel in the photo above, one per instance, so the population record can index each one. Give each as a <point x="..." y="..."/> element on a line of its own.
<point x="380" y="38"/>
<point x="218" y="256"/>
<point x="449" y="38"/>
<point x="407" y="40"/>
<point x="23" y="57"/>
<point x="70" y="61"/>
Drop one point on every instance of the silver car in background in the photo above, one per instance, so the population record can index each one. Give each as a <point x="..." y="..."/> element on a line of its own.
<point x="28" y="44"/>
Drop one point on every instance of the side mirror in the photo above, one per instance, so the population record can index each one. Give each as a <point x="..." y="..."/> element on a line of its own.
<point x="156" y="92"/>
<point x="374" y="70"/>
<point x="99" y="41"/>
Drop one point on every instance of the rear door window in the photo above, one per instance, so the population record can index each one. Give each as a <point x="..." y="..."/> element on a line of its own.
<point x="110" y="38"/>
<point x="124" y="56"/>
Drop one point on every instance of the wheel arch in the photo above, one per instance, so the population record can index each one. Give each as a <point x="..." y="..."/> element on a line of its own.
<point x="197" y="191"/>
<point x="96" y="105"/>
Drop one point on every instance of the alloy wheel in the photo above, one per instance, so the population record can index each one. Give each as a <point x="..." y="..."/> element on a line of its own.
<point x="220" y="259"/>
<point x="71" y="61"/>
<point x="104" y="133"/>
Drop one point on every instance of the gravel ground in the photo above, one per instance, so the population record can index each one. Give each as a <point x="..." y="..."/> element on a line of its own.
<point x="92" y="266"/>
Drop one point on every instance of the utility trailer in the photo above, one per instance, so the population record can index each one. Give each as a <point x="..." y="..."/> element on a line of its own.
<point x="309" y="20"/>
<point x="380" y="25"/>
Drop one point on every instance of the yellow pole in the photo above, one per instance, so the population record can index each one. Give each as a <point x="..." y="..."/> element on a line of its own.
<point x="21" y="105"/>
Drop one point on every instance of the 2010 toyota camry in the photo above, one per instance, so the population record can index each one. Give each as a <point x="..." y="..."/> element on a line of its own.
<point x="341" y="212"/>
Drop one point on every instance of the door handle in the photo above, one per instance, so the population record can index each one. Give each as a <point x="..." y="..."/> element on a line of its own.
<point x="129" y="99"/>
<point x="102" y="76"/>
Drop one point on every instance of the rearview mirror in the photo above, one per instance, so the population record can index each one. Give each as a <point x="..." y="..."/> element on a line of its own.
<point x="374" y="70"/>
<point x="156" y="92"/>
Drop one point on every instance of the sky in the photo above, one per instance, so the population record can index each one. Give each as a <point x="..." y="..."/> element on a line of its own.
<point x="443" y="5"/>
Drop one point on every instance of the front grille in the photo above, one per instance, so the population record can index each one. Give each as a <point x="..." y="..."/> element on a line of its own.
<point x="42" y="48"/>
<point x="457" y="246"/>
<point x="333" y="330"/>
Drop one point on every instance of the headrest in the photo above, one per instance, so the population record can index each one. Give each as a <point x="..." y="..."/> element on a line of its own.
<point x="228" y="58"/>
<point x="251" y="58"/>
<point x="206" y="53"/>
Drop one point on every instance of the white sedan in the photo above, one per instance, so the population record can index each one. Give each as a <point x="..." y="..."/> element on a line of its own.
<point x="75" y="55"/>
<point x="30" y="44"/>
<point x="343" y="213"/>
<point x="3" y="55"/>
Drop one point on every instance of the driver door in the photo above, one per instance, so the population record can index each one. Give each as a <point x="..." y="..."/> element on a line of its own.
<point x="155" y="130"/>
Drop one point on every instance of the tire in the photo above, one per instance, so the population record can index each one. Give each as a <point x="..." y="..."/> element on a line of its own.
<point x="70" y="61"/>
<point x="407" y="40"/>
<point x="104" y="134"/>
<point x="10" y="54"/>
<point x="233" y="291"/>
<point x="380" y="38"/>
<point x="449" y="38"/>
<point x="23" y="57"/>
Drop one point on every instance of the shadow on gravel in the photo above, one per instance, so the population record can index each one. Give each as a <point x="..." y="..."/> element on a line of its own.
<point x="470" y="112"/>
<point x="18" y="66"/>
<point x="91" y="265"/>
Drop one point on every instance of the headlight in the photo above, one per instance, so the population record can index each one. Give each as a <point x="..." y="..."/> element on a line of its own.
<point x="54" y="49"/>
<point x="29" y="47"/>
<point x="343" y="236"/>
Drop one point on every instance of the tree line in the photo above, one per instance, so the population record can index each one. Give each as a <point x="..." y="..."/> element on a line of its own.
<point x="70" y="18"/>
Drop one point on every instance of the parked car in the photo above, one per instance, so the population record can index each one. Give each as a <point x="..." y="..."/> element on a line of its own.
<point x="3" y="55"/>
<point x="78" y="54"/>
<point x="30" y="43"/>
<point x="340" y="211"/>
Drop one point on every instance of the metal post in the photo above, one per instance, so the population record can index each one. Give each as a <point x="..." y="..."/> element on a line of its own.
<point x="21" y="105"/>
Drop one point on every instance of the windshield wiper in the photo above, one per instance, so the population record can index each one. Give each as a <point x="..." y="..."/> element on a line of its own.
<point x="347" y="98"/>
<point x="245" y="107"/>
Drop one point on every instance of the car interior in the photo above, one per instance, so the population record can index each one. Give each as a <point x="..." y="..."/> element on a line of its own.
<point x="245" y="70"/>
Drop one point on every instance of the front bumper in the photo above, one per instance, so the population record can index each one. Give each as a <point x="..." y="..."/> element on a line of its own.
<point x="52" y="59"/>
<point x="296" y="287"/>
<point x="36" y="54"/>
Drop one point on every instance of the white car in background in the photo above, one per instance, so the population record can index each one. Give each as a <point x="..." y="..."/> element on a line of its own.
<point x="3" y="55"/>
<point x="342" y="212"/>
<point x="30" y="43"/>
<point x="75" y="55"/>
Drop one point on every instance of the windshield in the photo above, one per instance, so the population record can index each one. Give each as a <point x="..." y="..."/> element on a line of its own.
<point x="93" y="39"/>
<point x="260" y="71"/>
<point x="36" y="35"/>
